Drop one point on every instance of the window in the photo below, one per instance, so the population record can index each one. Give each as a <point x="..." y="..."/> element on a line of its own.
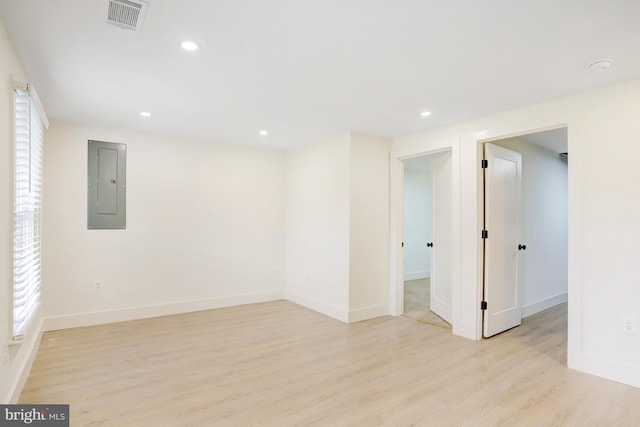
<point x="29" y="124"/>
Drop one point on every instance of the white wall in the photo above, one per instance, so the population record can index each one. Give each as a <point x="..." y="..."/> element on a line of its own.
<point x="15" y="361"/>
<point x="369" y="227"/>
<point x="205" y="226"/>
<point x="604" y="205"/>
<point x="417" y="223"/>
<point x="543" y="266"/>
<point x="337" y="227"/>
<point x="317" y="226"/>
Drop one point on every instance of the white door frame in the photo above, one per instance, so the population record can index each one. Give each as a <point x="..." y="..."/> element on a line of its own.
<point x="467" y="276"/>
<point x="480" y="141"/>
<point x="396" y="270"/>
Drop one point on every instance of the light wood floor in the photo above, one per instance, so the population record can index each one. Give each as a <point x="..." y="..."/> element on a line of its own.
<point x="417" y="303"/>
<point x="278" y="364"/>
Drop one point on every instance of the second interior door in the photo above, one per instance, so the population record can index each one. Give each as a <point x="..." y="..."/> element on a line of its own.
<point x="441" y="255"/>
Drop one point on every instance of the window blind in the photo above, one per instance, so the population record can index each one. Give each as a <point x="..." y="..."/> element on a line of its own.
<point x="27" y="209"/>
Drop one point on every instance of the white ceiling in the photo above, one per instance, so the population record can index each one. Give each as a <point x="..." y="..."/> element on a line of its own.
<point x="309" y="70"/>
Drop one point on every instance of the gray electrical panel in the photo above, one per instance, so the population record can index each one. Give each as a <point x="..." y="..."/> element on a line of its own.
<point x="106" y="186"/>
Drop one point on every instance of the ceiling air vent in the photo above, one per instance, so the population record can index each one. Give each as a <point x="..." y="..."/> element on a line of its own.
<point x="128" y="14"/>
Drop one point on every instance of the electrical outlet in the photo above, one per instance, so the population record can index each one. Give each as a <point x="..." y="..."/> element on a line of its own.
<point x="629" y="325"/>
<point x="99" y="284"/>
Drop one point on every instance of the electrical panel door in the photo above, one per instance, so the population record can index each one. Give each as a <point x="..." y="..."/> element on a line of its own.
<point x="106" y="183"/>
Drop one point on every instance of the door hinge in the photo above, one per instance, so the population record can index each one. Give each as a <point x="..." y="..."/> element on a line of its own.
<point x="483" y="305"/>
<point x="484" y="163"/>
<point x="485" y="234"/>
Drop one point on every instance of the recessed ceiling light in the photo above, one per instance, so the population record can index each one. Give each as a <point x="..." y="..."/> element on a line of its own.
<point x="145" y="114"/>
<point x="425" y="114"/>
<point x="602" y="65"/>
<point x="189" y="45"/>
<point x="264" y="132"/>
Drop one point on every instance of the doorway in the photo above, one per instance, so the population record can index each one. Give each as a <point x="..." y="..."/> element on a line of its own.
<point x="427" y="239"/>
<point x="525" y="227"/>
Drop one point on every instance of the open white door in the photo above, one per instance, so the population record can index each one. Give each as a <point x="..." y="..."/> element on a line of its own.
<point x="502" y="189"/>
<point x="441" y="254"/>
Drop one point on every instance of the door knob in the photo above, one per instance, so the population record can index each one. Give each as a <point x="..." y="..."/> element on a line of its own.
<point x="430" y="244"/>
<point x="522" y="247"/>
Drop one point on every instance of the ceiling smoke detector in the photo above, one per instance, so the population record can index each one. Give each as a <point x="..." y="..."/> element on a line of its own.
<point x="127" y="14"/>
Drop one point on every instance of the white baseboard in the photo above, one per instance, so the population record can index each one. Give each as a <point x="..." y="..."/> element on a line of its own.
<point x="368" y="313"/>
<point x="132" y="313"/>
<point x="30" y="345"/>
<point x="319" y="306"/>
<point x="615" y="371"/>
<point x="538" y="306"/>
<point x="417" y="275"/>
